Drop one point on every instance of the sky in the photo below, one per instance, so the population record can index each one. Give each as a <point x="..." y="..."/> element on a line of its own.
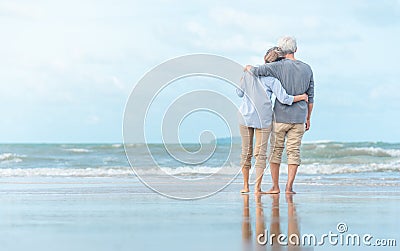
<point x="67" y="68"/>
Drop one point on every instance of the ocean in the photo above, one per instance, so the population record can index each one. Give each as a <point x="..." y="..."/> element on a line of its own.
<point x="319" y="159"/>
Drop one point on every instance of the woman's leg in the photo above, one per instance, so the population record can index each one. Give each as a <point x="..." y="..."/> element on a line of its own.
<point x="247" y="134"/>
<point x="260" y="153"/>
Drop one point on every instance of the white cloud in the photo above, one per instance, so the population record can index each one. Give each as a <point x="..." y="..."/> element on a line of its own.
<point x="18" y="10"/>
<point x="196" y="29"/>
<point x="92" y="119"/>
<point x="118" y="83"/>
<point x="385" y="93"/>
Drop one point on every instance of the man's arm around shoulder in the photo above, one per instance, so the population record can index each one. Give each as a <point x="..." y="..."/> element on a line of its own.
<point x="269" y="69"/>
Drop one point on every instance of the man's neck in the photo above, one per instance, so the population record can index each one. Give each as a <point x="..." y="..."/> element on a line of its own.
<point x="290" y="56"/>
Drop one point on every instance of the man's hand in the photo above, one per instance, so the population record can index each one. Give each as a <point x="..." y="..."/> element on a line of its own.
<point x="308" y="124"/>
<point x="247" y="68"/>
<point x="308" y="121"/>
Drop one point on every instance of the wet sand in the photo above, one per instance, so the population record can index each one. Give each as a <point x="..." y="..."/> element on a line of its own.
<point x="45" y="213"/>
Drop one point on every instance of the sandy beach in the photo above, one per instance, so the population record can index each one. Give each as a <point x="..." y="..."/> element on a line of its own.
<point x="103" y="213"/>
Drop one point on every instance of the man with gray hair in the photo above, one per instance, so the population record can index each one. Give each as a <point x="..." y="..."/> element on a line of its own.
<point x="290" y="122"/>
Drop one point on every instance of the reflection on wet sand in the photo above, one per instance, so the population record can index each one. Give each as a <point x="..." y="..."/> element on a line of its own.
<point x="265" y="239"/>
<point x="293" y="226"/>
<point x="260" y="222"/>
<point x="246" y="226"/>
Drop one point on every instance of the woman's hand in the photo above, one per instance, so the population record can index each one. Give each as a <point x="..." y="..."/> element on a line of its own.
<point x="304" y="97"/>
<point x="301" y="97"/>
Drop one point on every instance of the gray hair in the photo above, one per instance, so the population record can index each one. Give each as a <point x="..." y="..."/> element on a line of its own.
<point x="287" y="44"/>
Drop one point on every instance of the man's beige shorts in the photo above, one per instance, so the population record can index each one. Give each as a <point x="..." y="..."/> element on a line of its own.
<point x="293" y="133"/>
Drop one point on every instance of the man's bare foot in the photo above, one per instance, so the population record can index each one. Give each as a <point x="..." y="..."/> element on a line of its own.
<point x="273" y="190"/>
<point x="290" y="191"/>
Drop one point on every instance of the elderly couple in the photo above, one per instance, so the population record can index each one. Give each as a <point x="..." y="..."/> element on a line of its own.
<point x="291" y="81"/>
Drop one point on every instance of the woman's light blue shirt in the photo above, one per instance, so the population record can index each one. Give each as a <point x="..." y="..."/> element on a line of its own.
<point x="256" y="108"/>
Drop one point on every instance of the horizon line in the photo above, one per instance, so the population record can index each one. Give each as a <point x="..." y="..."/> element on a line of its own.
<point x="122" y="143"/>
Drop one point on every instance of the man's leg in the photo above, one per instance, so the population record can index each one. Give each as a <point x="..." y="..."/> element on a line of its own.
<point x="292" y="170"/>
<point x="260" y="153"/>
<point x="277" y="145"/>
<point x="247" y="134"/>
<point x="275" y="177"/>
<point x="294" y="136"/>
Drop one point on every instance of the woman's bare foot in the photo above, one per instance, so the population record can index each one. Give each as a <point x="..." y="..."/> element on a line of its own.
<point x="245" y="190"/>
<point x="259" y="191"/>
<point x="290" y="191"/>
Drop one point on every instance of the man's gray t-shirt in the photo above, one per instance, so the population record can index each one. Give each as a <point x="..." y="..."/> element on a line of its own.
<point x="297" y="78"/>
